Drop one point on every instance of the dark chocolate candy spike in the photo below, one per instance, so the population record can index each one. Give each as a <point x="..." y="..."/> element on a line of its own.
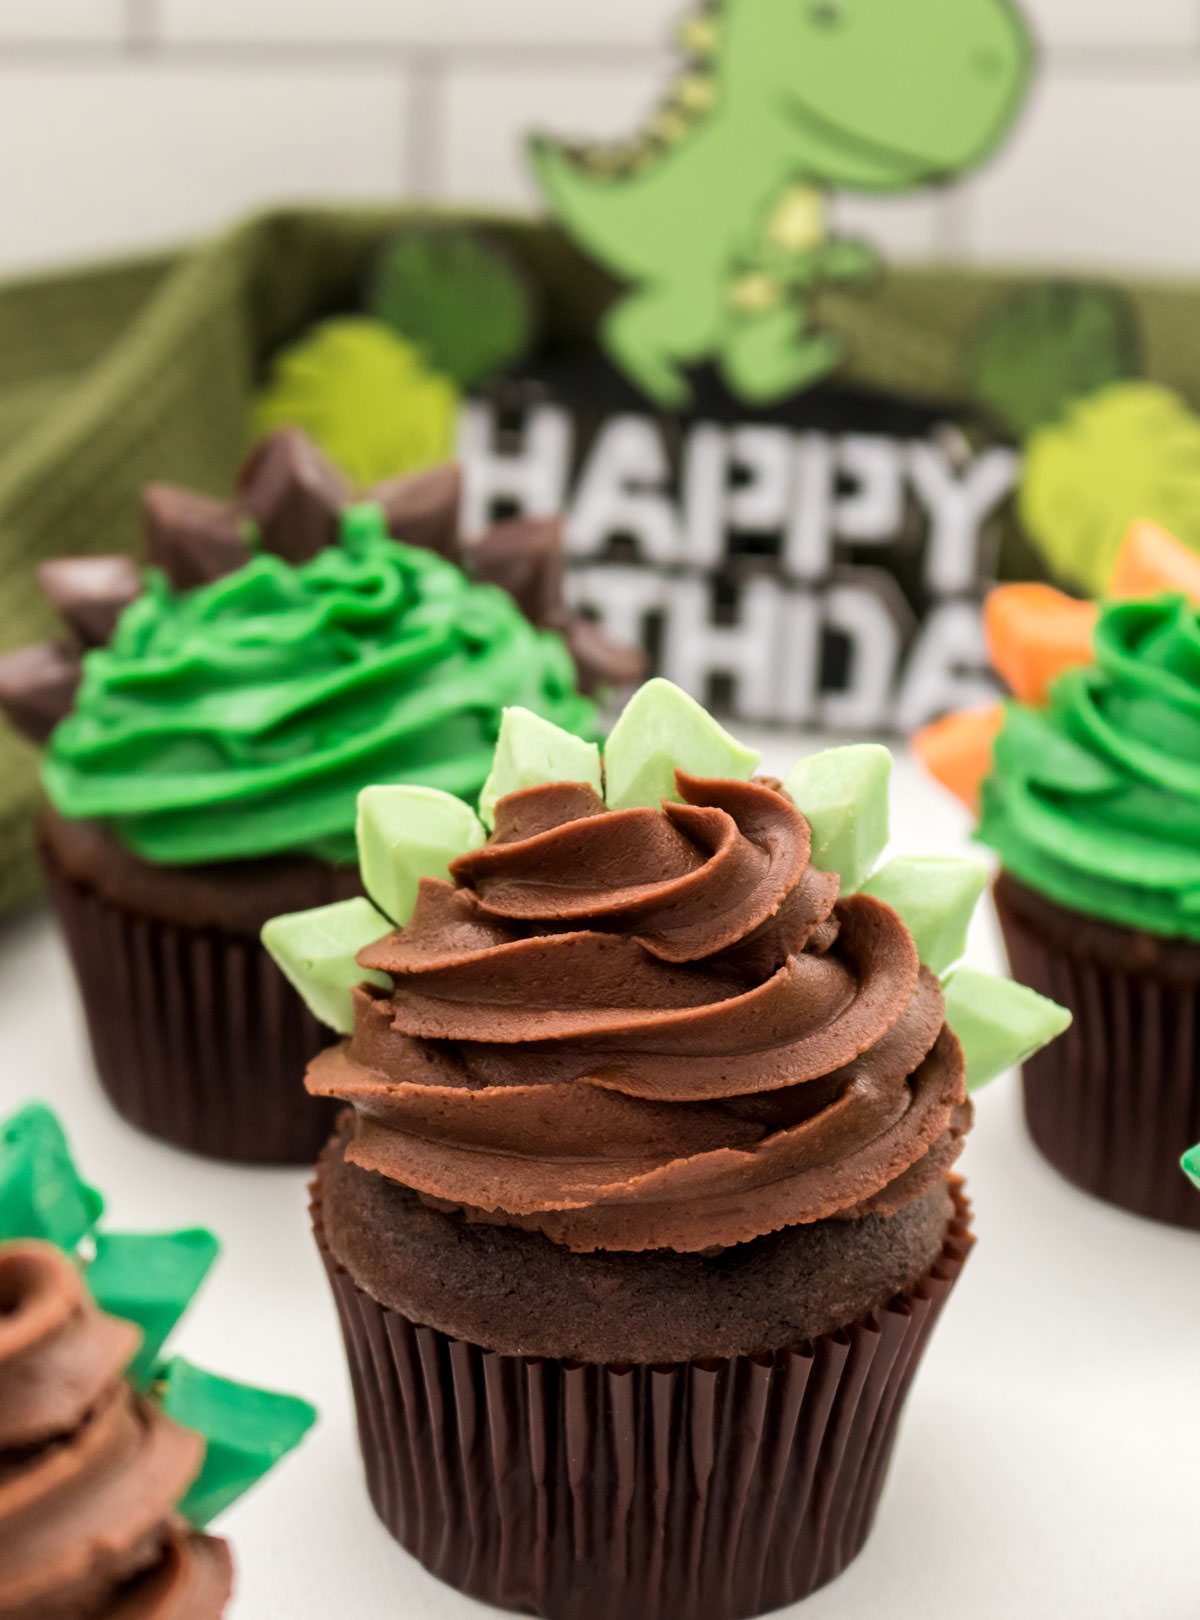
<point x="38" y="686"/>
<point x="90" y="593"/>
<point x="294" y="494"/>
<point x="424" y="510"/>
<point x="599" y="661"/>
<point x="525" y="558"/>
<point x="191" y="537"/>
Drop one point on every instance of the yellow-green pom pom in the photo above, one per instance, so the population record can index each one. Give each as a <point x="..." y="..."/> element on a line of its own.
<point x="366" y="397"/>
<point x="1129" y="452"/>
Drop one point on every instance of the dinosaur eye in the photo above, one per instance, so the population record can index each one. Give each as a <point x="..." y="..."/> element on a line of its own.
<point x="828" y="13"/>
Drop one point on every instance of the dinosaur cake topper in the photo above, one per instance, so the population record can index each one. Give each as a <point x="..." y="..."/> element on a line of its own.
<point x="715" y="216"/>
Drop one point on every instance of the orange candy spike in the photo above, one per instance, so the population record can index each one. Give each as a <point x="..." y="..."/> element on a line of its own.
<point x="1151" y="560"/>
<point x="958" y="750"/>
<point x="1035" y="632"/>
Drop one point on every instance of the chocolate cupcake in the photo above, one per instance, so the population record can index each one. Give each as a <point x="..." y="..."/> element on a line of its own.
<point x="1090" y="795"/>
<point x="642" y="1210"/>
<point x="106" y="1487"/>
<point x="88" y="1523"/>
<point x="208" y="726"/>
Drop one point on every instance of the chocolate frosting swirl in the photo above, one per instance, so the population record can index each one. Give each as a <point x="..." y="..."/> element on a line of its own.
<point x="89" y="1470"/>
<point x="651" y="1029"/>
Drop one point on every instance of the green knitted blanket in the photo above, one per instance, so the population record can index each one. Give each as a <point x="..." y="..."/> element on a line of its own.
<point x="115" y="377"/>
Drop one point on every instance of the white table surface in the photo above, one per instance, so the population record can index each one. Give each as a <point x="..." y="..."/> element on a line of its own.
<point x="1049" y="1462"/>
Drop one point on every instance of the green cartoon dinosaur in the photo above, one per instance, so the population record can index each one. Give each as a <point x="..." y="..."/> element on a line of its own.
<point x="716" y="213"/>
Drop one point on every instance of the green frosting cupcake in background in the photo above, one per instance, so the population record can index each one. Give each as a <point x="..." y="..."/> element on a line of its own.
<point x="241" y="719"/>
<point x="1090" y="795"/>
<point x="207" y="730"/>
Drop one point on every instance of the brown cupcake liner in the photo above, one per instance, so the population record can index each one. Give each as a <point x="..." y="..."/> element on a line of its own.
<point x="1115" y="1102"/>
<point x="197" y="1037"/>
<point x="708" y="1490"/>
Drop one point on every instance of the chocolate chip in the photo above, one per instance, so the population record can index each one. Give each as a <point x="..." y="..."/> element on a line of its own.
<point x="38" y="686"/>
<point x="192" y="538"/>
<point x="90" y="593"/>
<point x="423" y="510"/>
<point x="294" y="494"/>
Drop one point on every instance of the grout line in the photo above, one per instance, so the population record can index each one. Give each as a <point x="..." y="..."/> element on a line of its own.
<point x="143" y="25"/>
<point x="144" y="30"/>
<point x="425" y="123"/>
<point x="952" y="225"/>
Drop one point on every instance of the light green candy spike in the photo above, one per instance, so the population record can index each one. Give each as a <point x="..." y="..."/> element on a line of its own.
<point x="42" y="1194"/>
<point x="530" y="751"/>
<point x="316" y="950"/>
<point x="936" y="897"/>
<point x="247" y="1431"/>
<point x="844" y="795"/>
<point x="662" y="730"/>
<point x="999" y="1023"/>
<point x="406" y="834"/>
<point x="1191" y="1164"/>
<point x="150" y="1279"/>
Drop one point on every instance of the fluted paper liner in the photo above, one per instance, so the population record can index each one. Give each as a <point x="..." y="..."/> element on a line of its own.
<point x="707" y="1490"/>
<point x="196" y="1035"/>
<point x="1115" y="1102"/>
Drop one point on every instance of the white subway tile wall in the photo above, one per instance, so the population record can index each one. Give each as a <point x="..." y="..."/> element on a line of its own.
<point x="141" y="152"/>
<point x="64" y="21"/>
<point x="129" y="123"/>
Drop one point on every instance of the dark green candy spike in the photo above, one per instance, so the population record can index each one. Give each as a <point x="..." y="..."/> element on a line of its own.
<point x="248" y="1431"/>
<point x="1191" y="1164"/>
<point x="41" y="1193"/>
<point x="150" y="1279"/>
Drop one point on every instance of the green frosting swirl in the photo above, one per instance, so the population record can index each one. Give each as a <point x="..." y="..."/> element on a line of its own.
<point x="242" y="719"/>
<point x="1095" y="801"/>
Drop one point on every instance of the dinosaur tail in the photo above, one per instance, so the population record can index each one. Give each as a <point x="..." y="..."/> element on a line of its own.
<point x="604" y="198"/>
<point x="589" y="197"/>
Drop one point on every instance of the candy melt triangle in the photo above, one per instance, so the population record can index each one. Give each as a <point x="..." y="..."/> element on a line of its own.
<point x="407" y="833"/>
<point x="999" y="1023"/>
<point x="1191" y="1164"/>
<point x="662" y="730"/>
<point x="936" y="898"/>
<point x="247" y="1431"/>
<point x="41" y="1192"/>
<point x="151" y="1279"/>
<point x="316" y="950"/>
<point x="531" y="751"/>
<point x="843" y="793"/>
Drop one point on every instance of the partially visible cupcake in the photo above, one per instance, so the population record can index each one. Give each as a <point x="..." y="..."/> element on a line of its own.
<point x="642" y="1209"/>
<point x="1088" y="788"/>
<point x="208" y="726"/>
<point x="88" y="1520"/>
<point x="105" y="1487"/>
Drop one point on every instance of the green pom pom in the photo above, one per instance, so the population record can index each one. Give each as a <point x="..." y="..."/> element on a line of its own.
<point x="316" y="950"/>
<point x="662" y="730"/>
<point x="936" y="897"/>
<point x="1128" y="453"/>
<point x="41" y="1192"/>
<point x="999" y="1023"/>
<point x="843" y="793"/>
<point x="247" y="1431"/>
<point x="456" y="296"/>
<point x="1048" y="345"/>
<point x="149" y="1279"/>
<point x="406" y="834"/>
<point x="365" y="396"/>
<point x="531" y="750"/>
<point x="1191" y="1164"/>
